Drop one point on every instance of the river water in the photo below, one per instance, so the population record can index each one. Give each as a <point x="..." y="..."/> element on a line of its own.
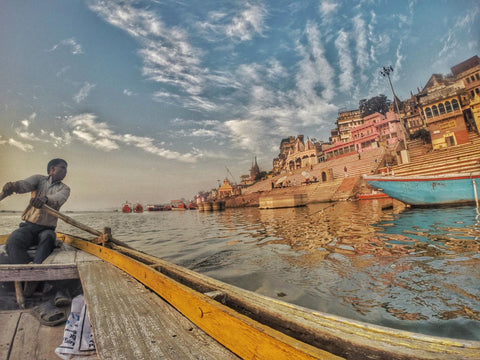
<point x="416" y="270"/>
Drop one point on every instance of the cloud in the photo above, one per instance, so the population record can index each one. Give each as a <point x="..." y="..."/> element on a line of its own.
<point x="128" y="92"/>
<point x="361" y="44"/>
<point x="249" y="22"/>
<point x="20" y="145"/>
<point x="346" y="78"/>
<point x="89" y="130"/>
<point x="75" y="48"/>
<point x="83" y="92"/>
<point x="315" y="76"/>
<point x="167" y="55"/>
<point x="328" y="7"/>
<point x="237" y="24"/>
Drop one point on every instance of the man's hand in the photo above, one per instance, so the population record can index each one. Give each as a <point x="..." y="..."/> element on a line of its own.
<point x="9" y="188"/>
<point x="38" y="202"/>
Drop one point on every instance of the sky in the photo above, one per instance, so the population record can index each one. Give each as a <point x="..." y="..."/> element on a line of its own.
<point x="150" y="101"/>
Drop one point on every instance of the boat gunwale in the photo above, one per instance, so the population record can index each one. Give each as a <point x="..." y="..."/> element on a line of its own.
<point x="440" y="177"/>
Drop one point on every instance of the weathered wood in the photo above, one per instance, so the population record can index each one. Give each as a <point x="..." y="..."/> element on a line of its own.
<point x="33" y="340"/>
<point x="38" y="272"/>
<point x="79" y="225"/>
<point x="130" y="322"/>
<point x="349" y="338"/>
<point x="19" y="294"/>
<point x="9" y="321"/>
<point x="244" y="336"/>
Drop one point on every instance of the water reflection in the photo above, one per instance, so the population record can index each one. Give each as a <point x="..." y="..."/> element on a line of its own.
<point x="415" y="269"/>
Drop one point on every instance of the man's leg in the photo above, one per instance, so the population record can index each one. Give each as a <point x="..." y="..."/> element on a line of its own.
<point x="46" y="243"/>
<point x="18" y="243"/>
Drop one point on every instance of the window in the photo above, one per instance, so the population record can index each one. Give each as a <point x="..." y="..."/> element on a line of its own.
<point x="472" y="77"/>
<point x="435" y="110"/>
<point x="455" y="104"/>
<point x="448" y="106"/>
<point x="428" y="112"/>
<point x="441" y="108"/>
<point x="468" y="80"/>
<point x="477" y="76"/>
<point x="476" y="90"/>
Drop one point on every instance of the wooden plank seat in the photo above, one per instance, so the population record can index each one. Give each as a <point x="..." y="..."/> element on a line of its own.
<point x="131" y="322"/>
<point x="59" y="265"/>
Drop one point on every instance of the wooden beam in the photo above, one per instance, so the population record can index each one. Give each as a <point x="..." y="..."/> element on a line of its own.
<point x="38" y="272"/>
<point x="242" y="335"/>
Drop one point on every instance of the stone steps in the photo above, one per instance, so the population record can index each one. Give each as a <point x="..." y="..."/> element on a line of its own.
<point x="461" y="158"/>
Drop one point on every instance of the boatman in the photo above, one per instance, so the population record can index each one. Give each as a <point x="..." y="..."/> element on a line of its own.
<point x="38" y="228"/>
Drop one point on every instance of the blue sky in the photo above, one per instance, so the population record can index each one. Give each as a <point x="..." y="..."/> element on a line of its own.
<point x="151" y="100"/>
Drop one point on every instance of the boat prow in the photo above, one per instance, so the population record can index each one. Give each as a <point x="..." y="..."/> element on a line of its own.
<point x="448" y="189"/>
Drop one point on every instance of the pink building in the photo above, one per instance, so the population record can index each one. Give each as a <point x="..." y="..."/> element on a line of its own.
<point x="377" y="130"/>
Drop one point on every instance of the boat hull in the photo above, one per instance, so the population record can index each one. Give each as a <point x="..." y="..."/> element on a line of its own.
<point x="449" y="189"/>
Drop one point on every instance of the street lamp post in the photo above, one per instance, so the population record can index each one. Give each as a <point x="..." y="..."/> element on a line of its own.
<point x="385" y="72"/>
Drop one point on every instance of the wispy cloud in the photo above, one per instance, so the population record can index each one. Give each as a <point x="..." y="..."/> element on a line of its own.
<point x="20" y="145"/>
<point x="250" y="21"/>
<point x="168" y="57"/>
<point x="83" y="92"/>
<point x="238" y="24"/>
<point x="74" y="47"/>
<point x="89" y="130"/>
<point x="361" y="45"/>
<point x="346" y="78"/>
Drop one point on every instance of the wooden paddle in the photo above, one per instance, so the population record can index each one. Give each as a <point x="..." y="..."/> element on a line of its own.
<point x="74" y="222"/>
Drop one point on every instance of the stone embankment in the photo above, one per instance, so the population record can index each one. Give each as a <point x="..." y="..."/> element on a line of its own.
<point x="344" y="186"/>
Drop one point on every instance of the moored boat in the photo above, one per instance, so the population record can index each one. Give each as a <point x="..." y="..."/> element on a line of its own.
<point x="126" y="207"/>
<point x="150" y="207"/>
<point x="450" y="189"/>
<point x="138" y="208"/>
<point x="373" y="196"/>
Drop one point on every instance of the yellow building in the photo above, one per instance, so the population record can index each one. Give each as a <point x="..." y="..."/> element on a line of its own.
<point x="225" y="190"/>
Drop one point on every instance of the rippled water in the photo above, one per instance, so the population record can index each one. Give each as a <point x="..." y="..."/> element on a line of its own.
<point x="417" y="270"/>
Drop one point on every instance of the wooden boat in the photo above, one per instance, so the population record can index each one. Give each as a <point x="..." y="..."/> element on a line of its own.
<point x="127" y="324"/>
<point x="448" y="189"/>
<point x="138" y="208"/>
<point x="151" y="207"/>
<point x="373" y="196"/>
<point x="126" y="208"/>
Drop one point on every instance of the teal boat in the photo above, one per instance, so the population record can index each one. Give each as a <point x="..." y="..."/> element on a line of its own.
<point x="450" y="189"/>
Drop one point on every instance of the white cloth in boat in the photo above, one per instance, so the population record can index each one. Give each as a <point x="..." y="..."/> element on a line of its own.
<point x="78" y="341"/>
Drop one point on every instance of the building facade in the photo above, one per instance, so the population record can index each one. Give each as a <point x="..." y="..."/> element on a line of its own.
<point x="376" y="130"/>
<point x="296" y="154"/>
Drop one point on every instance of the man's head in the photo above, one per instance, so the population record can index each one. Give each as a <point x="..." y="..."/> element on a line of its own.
<point x="57" y="168"/>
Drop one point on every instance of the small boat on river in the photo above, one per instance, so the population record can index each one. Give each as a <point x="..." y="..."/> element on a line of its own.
<point x="450" y="189"/>
<point x="127" y="208"/>
<point x="130" y="316"/>
<point x="138" y="208"/>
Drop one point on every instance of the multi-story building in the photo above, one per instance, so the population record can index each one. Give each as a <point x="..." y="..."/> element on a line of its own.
<point x="468" y="72"/>
<point x="442" y="111"/>
<point x="412" y="113"/>
<point x="376" y="130"/>
<point x="346" y="121"/>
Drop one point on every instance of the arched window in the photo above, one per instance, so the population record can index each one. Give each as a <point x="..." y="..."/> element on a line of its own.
<point x="455" y="104"/>
<point x="448" y="106"/>
<point x="476" y="90"/>
<point x="472" y="77"/>
<point x="435" y="110"/>
<point x="441" y="108"/>
<point x="428" y="112"/>
<point x="477" y="76"/>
